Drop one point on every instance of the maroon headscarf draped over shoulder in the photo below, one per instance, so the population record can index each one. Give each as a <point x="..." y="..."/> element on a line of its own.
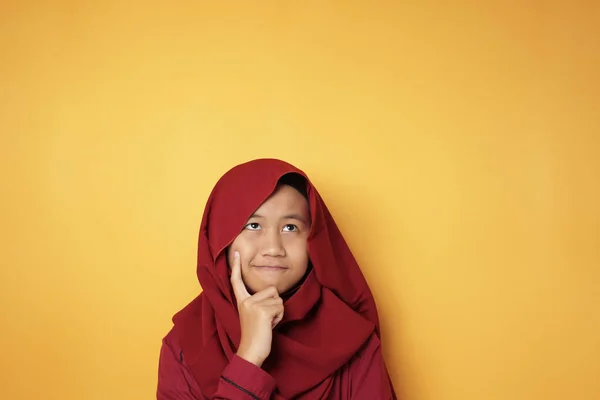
<point x="326" y="321"/>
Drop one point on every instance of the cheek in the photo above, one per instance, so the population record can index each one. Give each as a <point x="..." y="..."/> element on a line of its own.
<point x="298" y="252"/>
<point x="245" y="246"/>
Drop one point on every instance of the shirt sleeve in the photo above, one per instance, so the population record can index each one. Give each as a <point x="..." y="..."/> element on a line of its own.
<point x="175" y="380"/>
<point x="245" y="381"/>
<point x="241" y="380"/>
<point x="369" y="379"/>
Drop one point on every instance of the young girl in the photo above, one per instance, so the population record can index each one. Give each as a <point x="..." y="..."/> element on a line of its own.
<point x="285" y="312"/>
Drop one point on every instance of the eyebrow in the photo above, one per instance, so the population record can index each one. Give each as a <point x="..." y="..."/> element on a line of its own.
<point x="289" y="216"/>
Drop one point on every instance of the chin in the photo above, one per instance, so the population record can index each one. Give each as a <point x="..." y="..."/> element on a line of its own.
<point x="258" y="286"/>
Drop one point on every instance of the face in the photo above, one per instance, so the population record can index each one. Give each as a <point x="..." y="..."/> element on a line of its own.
<point x="272" y="245"/>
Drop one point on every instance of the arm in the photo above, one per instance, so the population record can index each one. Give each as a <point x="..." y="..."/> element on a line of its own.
<point x="369" y="379"/>
<point x="241" y="380"/>
<point x="244" y="381"/>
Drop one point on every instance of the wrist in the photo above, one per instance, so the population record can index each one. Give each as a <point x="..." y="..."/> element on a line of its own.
<point x="258" y="361"/>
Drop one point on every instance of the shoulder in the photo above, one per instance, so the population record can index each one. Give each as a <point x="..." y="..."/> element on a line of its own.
<point x="369" y="350"/>
<point x="175" y="379"/>
<point x="366" y="374"/>
<point x="171" y="344"/>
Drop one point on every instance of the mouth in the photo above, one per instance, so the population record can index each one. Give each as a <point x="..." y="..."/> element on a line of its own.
<point x="270" y="267"/>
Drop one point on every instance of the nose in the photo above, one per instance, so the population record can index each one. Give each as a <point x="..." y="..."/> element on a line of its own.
<point x="272" y="245"/>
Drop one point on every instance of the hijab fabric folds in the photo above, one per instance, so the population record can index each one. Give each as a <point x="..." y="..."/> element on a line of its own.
<point x="326" y="321"/>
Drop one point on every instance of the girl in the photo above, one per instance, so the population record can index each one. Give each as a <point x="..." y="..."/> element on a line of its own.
<point x="285" y="312"/>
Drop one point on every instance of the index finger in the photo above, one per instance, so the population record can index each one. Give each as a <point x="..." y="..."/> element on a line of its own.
<point x="237" y="283"/>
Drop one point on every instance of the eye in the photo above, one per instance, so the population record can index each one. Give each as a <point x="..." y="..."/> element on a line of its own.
<point x="290" y="228"/>
<point x="253" y="226"/>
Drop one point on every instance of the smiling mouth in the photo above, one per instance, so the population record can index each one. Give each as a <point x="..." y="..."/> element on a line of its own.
<point x="270" y="267"/>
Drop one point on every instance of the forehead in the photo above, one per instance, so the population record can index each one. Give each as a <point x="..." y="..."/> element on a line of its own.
<point x="284" y="200"/>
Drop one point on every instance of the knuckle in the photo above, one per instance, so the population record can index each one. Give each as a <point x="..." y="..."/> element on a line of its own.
<point x="247" y="304"/>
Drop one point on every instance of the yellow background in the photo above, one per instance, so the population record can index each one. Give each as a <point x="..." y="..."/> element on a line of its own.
<point x="456" y="145"/>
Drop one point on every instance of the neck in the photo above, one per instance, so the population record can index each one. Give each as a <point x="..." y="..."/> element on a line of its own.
<point x="294" y="289"/>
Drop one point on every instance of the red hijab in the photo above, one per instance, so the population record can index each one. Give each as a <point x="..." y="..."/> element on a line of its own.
<point x="326" y="321"/>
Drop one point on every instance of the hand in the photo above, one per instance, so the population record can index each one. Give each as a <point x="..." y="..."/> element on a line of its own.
<point x="259" y="314"/>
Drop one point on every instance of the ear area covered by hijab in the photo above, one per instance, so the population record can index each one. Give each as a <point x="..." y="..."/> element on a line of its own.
<point x="327" y="319"/>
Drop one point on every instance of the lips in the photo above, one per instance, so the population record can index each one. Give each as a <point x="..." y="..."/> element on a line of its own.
<point x="270" y="267"/>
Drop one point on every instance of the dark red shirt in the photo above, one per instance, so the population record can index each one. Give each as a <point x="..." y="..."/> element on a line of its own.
<point x="364" y="377"/>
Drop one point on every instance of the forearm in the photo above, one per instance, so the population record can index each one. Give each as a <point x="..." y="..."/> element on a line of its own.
<point x="241" y="380"/>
